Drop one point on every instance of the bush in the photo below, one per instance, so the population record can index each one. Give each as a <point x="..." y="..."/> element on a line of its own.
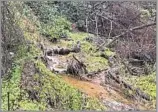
<point x="59" y="27"/>
<point x="52" y="23"/>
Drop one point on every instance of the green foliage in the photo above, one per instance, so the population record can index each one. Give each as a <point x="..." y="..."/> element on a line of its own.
<point x="145" y="83"/>
<point x="12" y="86"/>
<point x="145" y="14"/>
<point x="58" y="27"/>
<point x="86" y="47"/>
<point x="31" y="105"/>
<point x="51" y="22"/>
<point x="108" y="52"/>
<point x="26" y="52"/>
<point x="28" y="105"/>
<point x="65" y="96"/>
<point x="92" y="61"/>
<point x="22" y="51"/>
<point x="78" y="36"/>
<point x="95" y="63"/>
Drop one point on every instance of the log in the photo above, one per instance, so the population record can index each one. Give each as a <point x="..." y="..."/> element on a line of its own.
<point x="61" y="51"/>
<point x="75" y="67"/>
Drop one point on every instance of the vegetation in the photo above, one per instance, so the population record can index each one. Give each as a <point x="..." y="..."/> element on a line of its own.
<point x="94" y="34"/>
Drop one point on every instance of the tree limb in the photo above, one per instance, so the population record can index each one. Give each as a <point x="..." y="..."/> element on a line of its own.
<point x="130" y="30"/>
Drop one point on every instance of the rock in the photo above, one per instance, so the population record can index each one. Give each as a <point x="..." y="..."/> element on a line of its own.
<point x="113" y="105"/>
<point x="11" y="54"/>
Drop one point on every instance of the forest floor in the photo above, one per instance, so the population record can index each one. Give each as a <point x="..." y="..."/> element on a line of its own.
<point x="113" y="97"/>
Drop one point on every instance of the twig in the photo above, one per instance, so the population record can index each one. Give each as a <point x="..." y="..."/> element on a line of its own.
<point x="96" y="25"/>
<point x="8" y="101"/>
<point x="110" y="29"/>
<point x="87" y="24"/>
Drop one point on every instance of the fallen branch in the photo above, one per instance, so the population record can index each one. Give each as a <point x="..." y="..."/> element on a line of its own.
<point x="130" y="30"/>
<point x="122" y="34"/>
<point x="78" y="61"/>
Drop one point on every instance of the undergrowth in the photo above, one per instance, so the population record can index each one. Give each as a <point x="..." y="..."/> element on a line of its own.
<point x="12" y="85"/>
<point x="69" y="97"/>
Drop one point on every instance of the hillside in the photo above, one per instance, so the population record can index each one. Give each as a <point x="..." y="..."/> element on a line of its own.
<point x="52" y="61"/>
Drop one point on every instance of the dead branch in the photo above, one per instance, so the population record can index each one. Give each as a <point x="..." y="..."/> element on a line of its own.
<point x="130" y="30"/>
<point x="142" y="26"/>
<point x="87" y="24"/>
<point x="137" y="91"/>
<point x="110" y="29"/>
<point x="78" y="61"/>
<point x="96" y="25"/>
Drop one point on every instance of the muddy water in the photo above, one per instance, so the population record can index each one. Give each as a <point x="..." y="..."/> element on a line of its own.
<point x="93" y="89"/>
<point x="102" y="93"/>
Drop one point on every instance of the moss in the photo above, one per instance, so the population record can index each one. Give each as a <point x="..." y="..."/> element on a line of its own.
<point x="26" y="53"/>
<point x="108" y="52"/>
<point x="145" y="83"/>
<point x="65" y="44"/>
<point x="12" y="85"/>
<point x="92" y="60"/>
<point x="88" y="47"/>
<point x="79" y="36"/>
<point x="93" y="105"/>
<point x="94" y="63"/>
